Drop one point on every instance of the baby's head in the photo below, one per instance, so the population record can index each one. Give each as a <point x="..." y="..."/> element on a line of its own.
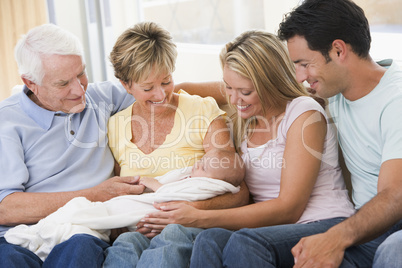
<point x="222" y="165"/>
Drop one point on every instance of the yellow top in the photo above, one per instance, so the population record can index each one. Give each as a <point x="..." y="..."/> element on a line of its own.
<point x="182" y="147"/>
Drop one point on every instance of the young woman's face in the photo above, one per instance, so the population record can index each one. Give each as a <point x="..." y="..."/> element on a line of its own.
<point x="242" y="94"/>
<point x="155" y="93"/>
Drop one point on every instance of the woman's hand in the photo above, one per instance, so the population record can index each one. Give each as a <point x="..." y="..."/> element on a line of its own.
<point x="168" y="213"/>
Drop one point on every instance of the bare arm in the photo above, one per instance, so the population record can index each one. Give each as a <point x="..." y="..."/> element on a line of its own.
<point x="227" y="200"/>
<point x="215" y="89"/>
<point x="298" y="179"/>
<point x="28" y="208"/>
<point x="217" y="137"/>
<point x="153" y="224"/>
<point x="373" y="219"/>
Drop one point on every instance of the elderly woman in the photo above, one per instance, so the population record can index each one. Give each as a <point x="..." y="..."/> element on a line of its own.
<point x="162" y="130"/>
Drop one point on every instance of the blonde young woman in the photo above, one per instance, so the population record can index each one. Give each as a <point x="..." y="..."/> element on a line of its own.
<point x="162" y="130"/>
<point x="292" y="170"/>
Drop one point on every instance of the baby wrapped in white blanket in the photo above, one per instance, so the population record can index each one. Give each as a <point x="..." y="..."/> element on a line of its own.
<point x="97" y="218"/>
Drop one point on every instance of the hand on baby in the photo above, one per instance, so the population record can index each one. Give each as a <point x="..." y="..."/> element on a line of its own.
<point x="114" y="187"/>
<point x="150" y="183"/>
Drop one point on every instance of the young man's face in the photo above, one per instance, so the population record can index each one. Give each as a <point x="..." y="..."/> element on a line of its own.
<point x="324" y="77"/>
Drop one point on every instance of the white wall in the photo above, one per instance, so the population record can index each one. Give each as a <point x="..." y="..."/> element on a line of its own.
<point x="195" y="62"/>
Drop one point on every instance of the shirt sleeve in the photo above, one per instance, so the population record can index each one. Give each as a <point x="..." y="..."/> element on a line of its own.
<point x="112" y="94"/>
<point x="200" y="112"/>
<point x="299" y="106"/>
<point x="391" y="130"/>
<point x="14" y="173"/>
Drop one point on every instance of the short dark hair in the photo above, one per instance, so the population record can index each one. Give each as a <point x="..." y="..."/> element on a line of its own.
<point x="321" y="22"/>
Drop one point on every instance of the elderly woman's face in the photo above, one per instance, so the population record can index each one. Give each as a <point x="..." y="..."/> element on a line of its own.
<point x="155" y="93"/>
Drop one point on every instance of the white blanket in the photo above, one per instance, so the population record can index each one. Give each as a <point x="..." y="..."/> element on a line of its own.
<point x="97" y="218"/>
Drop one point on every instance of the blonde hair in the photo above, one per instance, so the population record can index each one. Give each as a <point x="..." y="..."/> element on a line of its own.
<point x="261" y="57"/>
<point x="141" y="48"/>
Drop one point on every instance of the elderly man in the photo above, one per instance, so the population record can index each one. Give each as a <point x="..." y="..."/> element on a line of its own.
<point x="53" y="145"/>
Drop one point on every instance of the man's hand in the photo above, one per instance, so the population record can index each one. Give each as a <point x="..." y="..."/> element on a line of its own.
<point x="116" y="186"/>
<point x="321" y="250"/>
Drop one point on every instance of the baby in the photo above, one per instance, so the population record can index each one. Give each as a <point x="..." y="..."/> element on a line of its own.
<point x="215" y="164"/>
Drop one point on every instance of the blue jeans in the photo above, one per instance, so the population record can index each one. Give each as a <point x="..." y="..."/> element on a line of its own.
<point x="268" y="246"/>
<point x="171" y="248"/>
<point x="126" y="250"/>
<point x="79" y="251"/>
<point x="389" y="253"/>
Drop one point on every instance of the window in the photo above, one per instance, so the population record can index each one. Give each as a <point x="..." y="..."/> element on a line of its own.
<point x="213" y="22"/>
<point x="202" y="27"/>
<point x="386" y="27"/>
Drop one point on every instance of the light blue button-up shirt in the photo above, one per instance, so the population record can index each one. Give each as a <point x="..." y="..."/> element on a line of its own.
<point x="46" y="151"/>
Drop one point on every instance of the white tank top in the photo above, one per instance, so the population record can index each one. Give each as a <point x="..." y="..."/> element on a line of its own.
<point x="329" y="198"/>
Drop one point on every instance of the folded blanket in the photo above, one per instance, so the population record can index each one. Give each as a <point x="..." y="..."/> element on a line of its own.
<point x="81" y="216"/>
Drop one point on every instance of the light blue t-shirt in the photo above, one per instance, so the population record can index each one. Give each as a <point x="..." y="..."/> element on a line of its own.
<point x="45" y="151"/>
<point x="370" y="131"/>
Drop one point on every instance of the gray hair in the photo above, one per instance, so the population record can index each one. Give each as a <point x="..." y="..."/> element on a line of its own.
<point x="44" y="40"/>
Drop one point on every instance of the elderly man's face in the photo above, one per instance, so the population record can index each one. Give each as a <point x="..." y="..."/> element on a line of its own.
<point x="64" y="84"/>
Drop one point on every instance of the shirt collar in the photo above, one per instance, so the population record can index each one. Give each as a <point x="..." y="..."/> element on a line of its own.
<point x="42" y="117"/>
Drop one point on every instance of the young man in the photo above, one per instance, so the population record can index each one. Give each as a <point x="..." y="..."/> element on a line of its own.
<point x="329" y="42"/>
